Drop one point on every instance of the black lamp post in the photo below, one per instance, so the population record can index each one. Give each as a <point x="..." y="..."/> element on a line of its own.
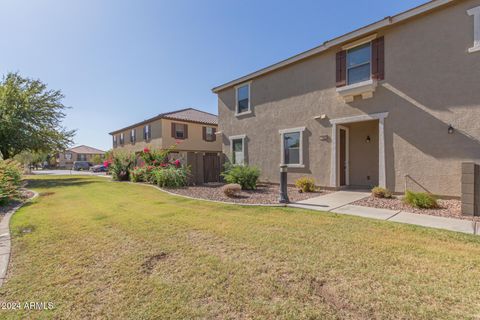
<point x="283" y="184"/>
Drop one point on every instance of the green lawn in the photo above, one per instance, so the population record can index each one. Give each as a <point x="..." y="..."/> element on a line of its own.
<point x="100" y="249"/>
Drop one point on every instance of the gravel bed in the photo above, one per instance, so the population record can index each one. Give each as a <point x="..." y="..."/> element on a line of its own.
<point x="4" y="209"/>
<point x="448" y="208"/>
<point x="265" y="194"/>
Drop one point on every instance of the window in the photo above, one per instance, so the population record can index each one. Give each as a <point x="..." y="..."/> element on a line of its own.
<point x="147" y="132"/>
<point x="114" y="141"/>
<point x="209" y="134"/>
<point x="475" y="12"/>
<point x="292" y="147"/>
<point x="68" y="156"/>
<point x="237" y="148"/>
<point x="179" y="130"/>
<point x="243" y="99"/>
<point x="81" y="157"/>
<point x="132" y="136"/>
<point x="122" y="139"/>
<point x="359" y="64"/>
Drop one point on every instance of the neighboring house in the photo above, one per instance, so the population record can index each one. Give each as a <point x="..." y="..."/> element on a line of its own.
<point x="395" y="101"/>
<point x="80" y="153"/>
<point x="193" y="132"/>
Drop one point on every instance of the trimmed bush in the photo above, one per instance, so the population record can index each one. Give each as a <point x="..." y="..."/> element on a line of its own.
<point x="305" y="184"/>
<point x="171" y="176"/>
<point x="420" y="200"/>
<point x="379" y="192"/>
<point x="10" y="180"/>
<point x="245" y="176"/>
<point x="231" y="190"/>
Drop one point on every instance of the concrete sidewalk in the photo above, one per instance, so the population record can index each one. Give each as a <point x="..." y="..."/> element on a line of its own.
<point x="339" y="202"/>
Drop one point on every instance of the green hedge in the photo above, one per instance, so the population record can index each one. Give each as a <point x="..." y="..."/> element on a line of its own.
<point x="10" y="180"/>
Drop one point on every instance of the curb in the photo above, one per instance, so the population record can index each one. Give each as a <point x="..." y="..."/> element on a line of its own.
<point x="207" y="200"/>
<point x="5" y="238"/>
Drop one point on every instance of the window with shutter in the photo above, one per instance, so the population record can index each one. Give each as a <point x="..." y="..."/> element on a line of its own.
<point x="179" y="131"/>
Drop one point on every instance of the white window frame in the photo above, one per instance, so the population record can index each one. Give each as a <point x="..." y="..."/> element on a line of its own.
<point x="147" y="135"/>
<point x="475" y="12"/>
<point x="115" y="141"/>
<point x="122" y="139"/>
<point x="249" y="85"/>
<point x="370" y="61"/>
<point x="282" y="147"/>
<point x="133" y="136"/>
<point x="238" y="137"/>
<point x="183" y="125"/>
<point x="212" y="135"/>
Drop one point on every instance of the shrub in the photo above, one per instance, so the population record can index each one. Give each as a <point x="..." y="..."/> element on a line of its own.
<point x="171" y="176"/>
<point x="120" y="165"/>
<point x="379" y="192"/>
<point x="10" y="180"/>
<point x="156" y="157"/>
<point x="231" y="190"/>
<point x="245" y="176"/>
<point x="142" y="174"/>
<point x="305" y="184"/>
<point x="420" y="200"/>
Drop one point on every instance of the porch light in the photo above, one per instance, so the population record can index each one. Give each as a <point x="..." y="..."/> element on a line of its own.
<point x="368" y="139"/>
<point x="450" y="129"/>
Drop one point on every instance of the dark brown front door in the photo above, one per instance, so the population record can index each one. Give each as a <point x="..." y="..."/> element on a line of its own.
<point x="211" y="167"/>
<point x="343" y="157"/>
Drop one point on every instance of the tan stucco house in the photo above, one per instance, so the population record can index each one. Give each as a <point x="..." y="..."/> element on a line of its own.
<point x="192" y="131"/>
<point x="393" y="103"/>
<point x="79" y="153"/>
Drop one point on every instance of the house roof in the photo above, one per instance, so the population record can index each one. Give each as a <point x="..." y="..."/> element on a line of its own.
<point x="351" y="36"/>
<point x="86" y="150"/>
<point x="188" y="115"/>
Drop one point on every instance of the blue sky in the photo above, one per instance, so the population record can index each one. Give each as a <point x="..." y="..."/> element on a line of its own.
<point x="120" y="62"/>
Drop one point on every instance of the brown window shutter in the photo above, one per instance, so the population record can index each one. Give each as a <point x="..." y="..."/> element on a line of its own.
<point x="214" y="138"/>
<point x="341" y="68"/>
<point x="173" y="130"/>
<point x="204" y="133"/>
<point x="186" y="131"/>
<point x="378" y="58"/>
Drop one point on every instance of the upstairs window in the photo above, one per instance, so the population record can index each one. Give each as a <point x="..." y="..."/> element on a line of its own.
<point x="359" y="67"/>
<point x="209" y="134"/>
<point x="114" y="141"/>
<point x="475" y="12"/>
<point x="132" y="136"/>
<point x="122" y="139"/>
<point x="242" y="99"/>
<point x="179" y="131"/>
<point x="147" y="134"/>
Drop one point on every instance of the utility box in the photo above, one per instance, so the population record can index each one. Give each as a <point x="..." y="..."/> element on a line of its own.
<point x="470" y="189"/>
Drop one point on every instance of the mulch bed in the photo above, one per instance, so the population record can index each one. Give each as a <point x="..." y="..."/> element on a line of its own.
<point x="265" y="194"/>
<point x="25" y="194"/>
<point x="448" y="208"/>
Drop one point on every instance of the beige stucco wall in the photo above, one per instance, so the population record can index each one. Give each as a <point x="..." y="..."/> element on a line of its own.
<point x="155" y="142"/>
<point x="162" y="138"/>
<point x="431" y="81"/>
<point x="195" y="140"/>
<point x="62" y="162"/>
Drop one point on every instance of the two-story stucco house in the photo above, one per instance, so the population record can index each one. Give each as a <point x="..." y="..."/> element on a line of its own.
<point x="395" y="102"/>
<point x="79" y="153"/>
<point x="192" y="131"/>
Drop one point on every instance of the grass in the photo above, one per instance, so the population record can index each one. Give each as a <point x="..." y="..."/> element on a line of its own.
<point x="100" y="249"/>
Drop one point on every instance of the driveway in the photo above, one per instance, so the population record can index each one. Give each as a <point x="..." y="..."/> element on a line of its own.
<point x="67" y="172"/>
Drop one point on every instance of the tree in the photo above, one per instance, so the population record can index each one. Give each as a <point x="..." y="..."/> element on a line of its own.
<point x="30" y="117"/>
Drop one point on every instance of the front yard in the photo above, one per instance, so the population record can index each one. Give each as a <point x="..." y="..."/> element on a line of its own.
<point x="102" y="249"/>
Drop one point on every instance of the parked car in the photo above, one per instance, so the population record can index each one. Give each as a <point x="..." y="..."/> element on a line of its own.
<point x="81" y="165"/>
<point x="99" y="168"/>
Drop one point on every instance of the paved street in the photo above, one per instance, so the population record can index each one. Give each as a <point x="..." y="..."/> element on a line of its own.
<point x="67" y="172"/>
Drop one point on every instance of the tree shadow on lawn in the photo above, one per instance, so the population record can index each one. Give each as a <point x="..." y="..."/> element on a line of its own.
<point x="54" y="183"/>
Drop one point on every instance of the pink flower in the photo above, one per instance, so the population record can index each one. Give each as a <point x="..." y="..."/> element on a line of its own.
<point x="178" y="141"/>
<point x="163" y="164"/>
<point x="146" y="150"/>
<point x="106" y="163"/>
<point x="177" y="163"/>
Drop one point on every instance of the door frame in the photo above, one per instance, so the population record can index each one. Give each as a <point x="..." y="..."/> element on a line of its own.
<point x="347" y="155"/>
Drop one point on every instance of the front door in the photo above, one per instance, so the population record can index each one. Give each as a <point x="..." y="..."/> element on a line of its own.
<point x="343" y="156"/>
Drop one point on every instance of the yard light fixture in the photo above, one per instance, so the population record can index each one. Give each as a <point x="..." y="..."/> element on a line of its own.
<point x="368" y="139"/>
<point x="450" y="129"/>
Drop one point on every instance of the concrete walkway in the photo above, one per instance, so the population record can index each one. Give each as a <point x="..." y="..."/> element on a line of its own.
<point x="5" y="243"/>
<point x="339" y="202"/>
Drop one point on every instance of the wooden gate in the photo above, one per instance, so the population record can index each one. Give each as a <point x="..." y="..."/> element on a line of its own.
<point x="211" y="167"/>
